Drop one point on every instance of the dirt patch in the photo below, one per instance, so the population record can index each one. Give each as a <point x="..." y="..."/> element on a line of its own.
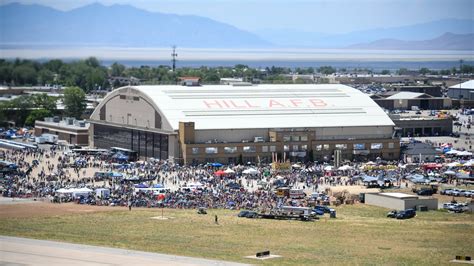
<point x="36" y="209"/>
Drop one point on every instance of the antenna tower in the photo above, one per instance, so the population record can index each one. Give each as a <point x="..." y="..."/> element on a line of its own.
<point x="174" y="55"/>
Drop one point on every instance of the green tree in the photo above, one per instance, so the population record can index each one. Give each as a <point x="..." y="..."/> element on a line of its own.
<point x="402" y="71"/>
<point x="327" y="70"/>
<point x="424" y="71"/>
<point x="44" y="101"/>
<point x="38" y="114"/>
<point x="117" y="69"/>
<point x="385" y="72"/>
<point x="74" y="102"/>
<point x="19" y="108"/>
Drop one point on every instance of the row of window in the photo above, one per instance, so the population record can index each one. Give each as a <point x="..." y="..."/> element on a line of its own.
<point x="356" y="146"/>
<point x="320" y="147"/>
<point x="288" y="138"/>
<point x="125" y="97"/>
<point x="233" y="149"/>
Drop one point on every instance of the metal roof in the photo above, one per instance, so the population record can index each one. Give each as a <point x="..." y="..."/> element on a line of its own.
<point x="403" y="95"/>
<point x="398" y="195"/>
<point x="468" y="85"/>
<point x="266" y="106"/>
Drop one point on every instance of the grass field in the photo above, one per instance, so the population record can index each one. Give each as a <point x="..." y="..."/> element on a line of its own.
<point x="359" y="235"/>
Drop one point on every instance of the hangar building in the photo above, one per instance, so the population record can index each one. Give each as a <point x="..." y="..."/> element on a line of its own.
<point x="237" y="123"/>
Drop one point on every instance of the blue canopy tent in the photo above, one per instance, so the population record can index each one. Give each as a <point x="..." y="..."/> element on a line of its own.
<point x="158" y="186"/>
<point x="115" y="175"/>
<point x="120" y="157"/>
<point x="368" y="178"/>
<point x="216" y="164"/>
<point x="141" y="186"/>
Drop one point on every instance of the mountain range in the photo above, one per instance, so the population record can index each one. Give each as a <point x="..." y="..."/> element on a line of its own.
<point x="119" y="25"/>
<point x="447" y="41"/>
<point x="127" y="26"/>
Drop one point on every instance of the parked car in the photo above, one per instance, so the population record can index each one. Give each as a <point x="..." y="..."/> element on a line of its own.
<point x="457" y="192"/>
<point x="457" y="208"/>
<point x="446" y="206"/>
<point x="469" y="193"/>
<point x="392" y="214"/>
<point x="318" y="211"/>
<point x="251" y="214"/>
<point x="425" y="192"/>
<point x="243" y="213"/>
<point x="325" y="209"/>
<point x="447" y="191"/>
<point x="462" y="192"/>
<point x="406" y="214"/>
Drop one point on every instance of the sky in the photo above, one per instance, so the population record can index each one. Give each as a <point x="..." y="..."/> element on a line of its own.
<point x="325" y="16"/>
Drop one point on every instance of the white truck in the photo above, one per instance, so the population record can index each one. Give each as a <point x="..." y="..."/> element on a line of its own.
<point x="47" y="138"/>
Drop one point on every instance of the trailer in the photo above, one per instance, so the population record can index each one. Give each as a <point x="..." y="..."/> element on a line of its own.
<point x="50" y="138"/>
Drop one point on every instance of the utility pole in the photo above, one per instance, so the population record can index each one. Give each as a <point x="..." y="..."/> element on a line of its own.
<point x="174" y="55"/>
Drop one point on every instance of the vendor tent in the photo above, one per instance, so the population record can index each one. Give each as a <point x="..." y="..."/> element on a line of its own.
<point x="250" y="171"/>
<point x="229" y="171"/>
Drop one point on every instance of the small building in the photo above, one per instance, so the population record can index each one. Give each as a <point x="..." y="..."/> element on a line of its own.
<point x="190" y="81"/>
<point x="419" y="126"/>
<point x="463" y="91"/>
<point x="120" y="81"/>
<point x="400" y="201"/>
<point x="407" y="100"/>
<point x="434" y="91"/>
<point x="69" y="129"/>
<point x="419" y="152"/>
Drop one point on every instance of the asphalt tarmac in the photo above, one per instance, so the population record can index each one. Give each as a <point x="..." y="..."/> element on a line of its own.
<point x="23" y="251"/>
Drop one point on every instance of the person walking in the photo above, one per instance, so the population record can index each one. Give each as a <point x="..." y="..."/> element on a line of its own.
<point x="216" y="219"/>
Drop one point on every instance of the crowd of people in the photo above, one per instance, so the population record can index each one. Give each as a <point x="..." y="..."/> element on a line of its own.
<point x="42" y="173"/>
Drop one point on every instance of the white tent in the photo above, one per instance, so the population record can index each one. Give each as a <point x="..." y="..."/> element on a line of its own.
<point x="65" y="190"/>
<point x="450" y="172"/>
<point x="328" y="168"/>
<point x="197" y="184"/>
<point x="452" y="152"/>
<point x="250" y="171"/>
<point x="229" y="171"/>
<point x="81" y="192"/>
<point x="464" y="153"/>
<point x="296" y="165"/>
<point x="345" y="168"/>
<point x="453" y="164"/>
<point x="469" y="163"/>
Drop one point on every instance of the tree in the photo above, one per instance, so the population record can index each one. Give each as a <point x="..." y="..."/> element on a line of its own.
<point x="34" y="115"/>
<point x="117" y="69"/>
<point x="44" y="101"/>
<point x="327" y="70"/>
<point x="74" y="102"/>
<point x="424" y="71"/>
<point x="402" y="71"/>
<point x="385" y="72"/>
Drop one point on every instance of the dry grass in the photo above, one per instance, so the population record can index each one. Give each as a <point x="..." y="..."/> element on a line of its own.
<point x="360" y="235"/>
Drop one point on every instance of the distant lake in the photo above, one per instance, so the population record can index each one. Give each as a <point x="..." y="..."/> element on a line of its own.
<point x="284" y="57"/>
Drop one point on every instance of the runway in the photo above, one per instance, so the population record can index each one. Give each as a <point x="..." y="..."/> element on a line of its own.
<point x="23" y="251"/>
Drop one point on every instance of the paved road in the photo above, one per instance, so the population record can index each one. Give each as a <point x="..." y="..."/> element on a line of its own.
<point x="23" y="251"/>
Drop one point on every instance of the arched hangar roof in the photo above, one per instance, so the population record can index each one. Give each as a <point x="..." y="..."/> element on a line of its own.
<point x="264" y="106"/>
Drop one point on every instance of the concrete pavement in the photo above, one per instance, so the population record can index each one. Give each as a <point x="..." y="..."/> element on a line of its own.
<point x="23" y="251"/>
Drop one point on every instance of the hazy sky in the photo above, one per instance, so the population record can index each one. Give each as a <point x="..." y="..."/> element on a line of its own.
<point x="329" y="16"/>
